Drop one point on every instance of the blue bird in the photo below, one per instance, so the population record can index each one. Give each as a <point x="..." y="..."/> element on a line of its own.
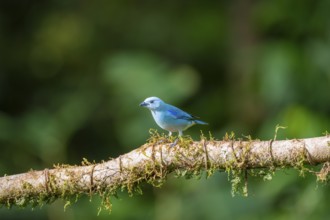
<point x="169" y="117"/>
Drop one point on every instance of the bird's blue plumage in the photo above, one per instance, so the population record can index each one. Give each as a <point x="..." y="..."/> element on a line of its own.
<point x="179" y="114"/>
<point x="170" y="117"/>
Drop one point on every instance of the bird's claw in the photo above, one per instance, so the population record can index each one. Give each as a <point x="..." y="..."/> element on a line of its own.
<point x="175" y="142"/>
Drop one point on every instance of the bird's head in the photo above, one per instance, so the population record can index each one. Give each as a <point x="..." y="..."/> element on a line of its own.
<point x="152" y="103"/>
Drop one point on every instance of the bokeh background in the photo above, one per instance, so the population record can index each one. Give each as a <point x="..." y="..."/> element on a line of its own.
<point x="72" y="74"/>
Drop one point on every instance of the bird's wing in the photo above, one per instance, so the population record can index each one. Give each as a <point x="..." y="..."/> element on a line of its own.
<point x="179" y="114"/>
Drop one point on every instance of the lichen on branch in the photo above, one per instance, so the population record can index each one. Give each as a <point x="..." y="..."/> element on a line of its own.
<point x="153" y="161"/>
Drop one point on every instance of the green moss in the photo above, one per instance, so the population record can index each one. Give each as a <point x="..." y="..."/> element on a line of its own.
<point x="155" y="173"/>
<point x="323" y="174"/>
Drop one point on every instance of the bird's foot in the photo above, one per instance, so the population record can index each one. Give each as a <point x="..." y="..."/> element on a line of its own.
<point x="175" y="142"/>
<point x="162" y="141"/>
<point x="165" y="139"/>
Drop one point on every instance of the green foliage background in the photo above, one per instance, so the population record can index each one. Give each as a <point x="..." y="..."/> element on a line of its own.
<point x="72" y="74"/>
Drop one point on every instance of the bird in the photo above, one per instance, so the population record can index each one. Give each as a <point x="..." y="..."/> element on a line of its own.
<point x="169" y="117"/>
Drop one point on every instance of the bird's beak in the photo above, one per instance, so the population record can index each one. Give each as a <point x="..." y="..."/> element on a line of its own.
<point x="143" y="104"/>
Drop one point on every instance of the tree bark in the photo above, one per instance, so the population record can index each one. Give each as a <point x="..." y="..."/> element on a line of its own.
<point x="153" y="161"/>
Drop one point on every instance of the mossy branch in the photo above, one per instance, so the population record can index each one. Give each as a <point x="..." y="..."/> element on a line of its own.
<point x="152" y="163"/>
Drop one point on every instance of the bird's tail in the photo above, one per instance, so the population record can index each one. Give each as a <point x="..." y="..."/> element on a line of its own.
<point x="200" y="122"/>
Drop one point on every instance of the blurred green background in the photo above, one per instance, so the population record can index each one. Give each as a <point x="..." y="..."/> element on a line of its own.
<point x="72" y="74"/>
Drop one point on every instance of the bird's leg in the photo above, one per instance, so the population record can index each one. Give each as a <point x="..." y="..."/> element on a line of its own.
<point x="177" y="139"/>
<point x="169" y="136"/>
<point x="175" y="142"/>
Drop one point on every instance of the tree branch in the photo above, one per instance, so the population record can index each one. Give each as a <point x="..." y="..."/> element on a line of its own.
<point x="153" y="161"/>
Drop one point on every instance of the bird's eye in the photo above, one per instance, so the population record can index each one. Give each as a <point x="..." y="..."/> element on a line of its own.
<point x="152" y="101"/>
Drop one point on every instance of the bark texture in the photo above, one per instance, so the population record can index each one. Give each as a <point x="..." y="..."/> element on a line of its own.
<point x="153" y="161"/>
